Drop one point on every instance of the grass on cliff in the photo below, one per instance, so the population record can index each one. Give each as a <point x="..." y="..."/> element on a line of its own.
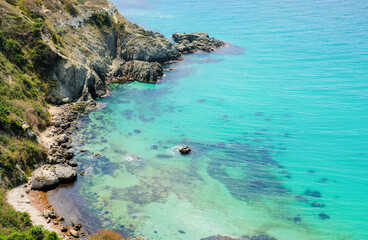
<point x="24" y="83"/>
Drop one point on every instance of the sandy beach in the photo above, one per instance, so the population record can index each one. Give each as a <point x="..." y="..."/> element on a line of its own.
<point x="34" y="204"/>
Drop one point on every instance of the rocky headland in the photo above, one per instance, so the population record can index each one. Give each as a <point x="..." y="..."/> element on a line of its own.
<point x="194" y="42"/>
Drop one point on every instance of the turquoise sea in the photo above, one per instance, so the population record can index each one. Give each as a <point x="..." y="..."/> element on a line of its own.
<point x="278" y="125"/>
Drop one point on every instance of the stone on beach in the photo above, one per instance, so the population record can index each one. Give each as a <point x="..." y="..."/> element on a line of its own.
<point x="49" y="176"/>
<point x="44" y="177"/>
<point x="48" y="214"/>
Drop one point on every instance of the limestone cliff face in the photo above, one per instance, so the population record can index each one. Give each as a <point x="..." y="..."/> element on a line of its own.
<point x="147" y="46"/>
<point x="91" y="35"/>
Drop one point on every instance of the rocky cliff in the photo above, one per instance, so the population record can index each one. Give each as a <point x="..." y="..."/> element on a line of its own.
<point x="89" y="39"/>
<point x="66" y="51"/>
<point x="63" y="51"/>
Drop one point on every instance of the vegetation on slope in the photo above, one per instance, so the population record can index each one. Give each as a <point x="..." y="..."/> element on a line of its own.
<point x="18" y="226"/>
<point x="24" y="59"/>
<point x="24" y="83"/>
<point x="30" y="45"/>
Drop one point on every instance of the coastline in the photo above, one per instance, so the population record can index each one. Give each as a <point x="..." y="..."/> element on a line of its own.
<point x="60" y="167"/>
<point x="35" y="202"/>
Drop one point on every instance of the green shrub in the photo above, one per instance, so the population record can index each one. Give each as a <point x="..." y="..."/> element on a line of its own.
<point x="102" y="19"/>
<point x="12" y="2"/>
<point x="42" y="56"/>
<point x="79" y="107"/>
<point x="11" y="220"/>
<point x="2" y="40"/>
<point x="17" y="225"/>
<point x="70" y="8"/>
<point x="14" y="52"/>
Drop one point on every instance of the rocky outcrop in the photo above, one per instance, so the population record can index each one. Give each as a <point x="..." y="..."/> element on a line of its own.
<point x="185" y="150"/>
<point x="49" y="176"/>
<point x="148" y="46"/>
<point x="91" y="38"/>
<point x="193" y="42"/>
<point x="135" y="70"/>
<point x="95" y="38"/>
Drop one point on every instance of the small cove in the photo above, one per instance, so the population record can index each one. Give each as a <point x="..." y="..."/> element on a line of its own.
<point x="266" y="125"/>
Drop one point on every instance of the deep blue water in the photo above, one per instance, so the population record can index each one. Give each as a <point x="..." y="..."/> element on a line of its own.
<point x="279" y="130"/>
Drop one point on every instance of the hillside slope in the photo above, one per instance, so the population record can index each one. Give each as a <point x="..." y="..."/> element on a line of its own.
<point x="58" y="52"/>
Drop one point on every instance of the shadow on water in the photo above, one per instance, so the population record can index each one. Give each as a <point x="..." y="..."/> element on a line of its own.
<point x="67" y="201"/>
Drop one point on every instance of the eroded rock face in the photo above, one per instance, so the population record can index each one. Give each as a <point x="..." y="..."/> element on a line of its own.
<point x="149" y="47"/>
<point x="192" y="42"/>
<point x="73" y="77"/>
<point x="135" y="70"/>
<point x="49" y="176"/>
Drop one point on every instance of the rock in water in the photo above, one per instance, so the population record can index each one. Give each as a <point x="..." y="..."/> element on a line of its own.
<point x="185" y="150"/>
<point x="192" y="42"/>
<point x="148" y="72"/>
<point x="323" y="216"/>
<point x="74" y="233"/>
<point x="77" y="227"/>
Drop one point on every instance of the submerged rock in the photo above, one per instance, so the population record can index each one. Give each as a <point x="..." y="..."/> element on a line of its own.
<point x="323" y="216"/>
<point x="192" y="42"/>
<point x="315" y="194"/>
<point x="317" y="204"/>
<point x="221" y="237"/>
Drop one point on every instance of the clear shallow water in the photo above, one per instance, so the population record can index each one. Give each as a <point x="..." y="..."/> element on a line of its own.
<point x="286" y="116"/>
